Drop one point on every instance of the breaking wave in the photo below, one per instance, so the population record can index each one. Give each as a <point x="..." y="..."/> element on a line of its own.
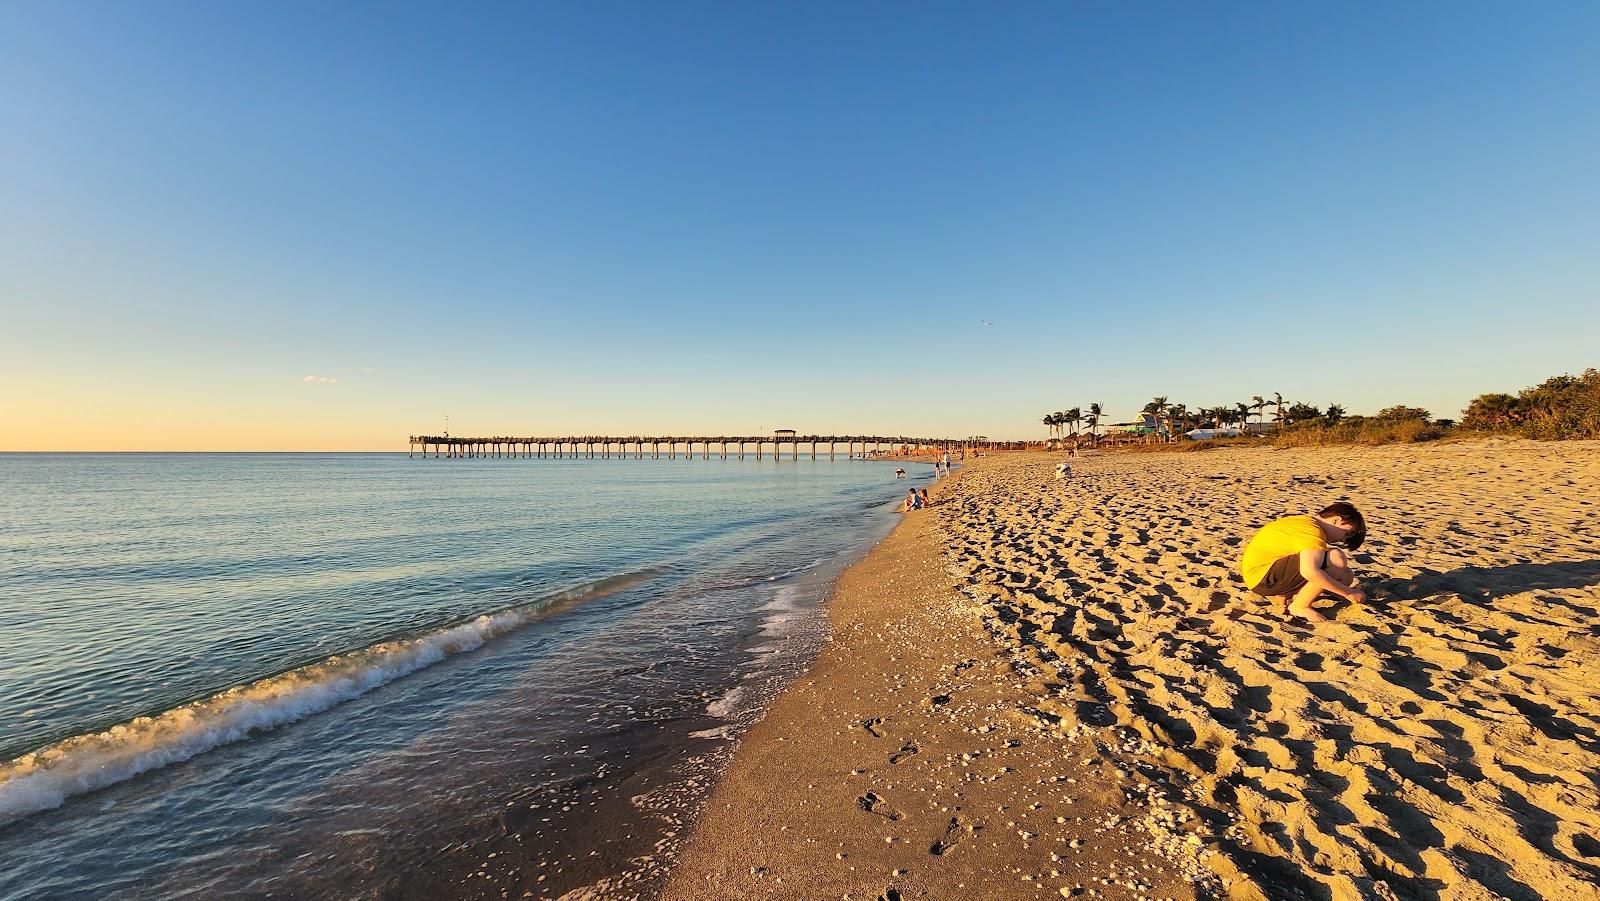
<point x="46" y="778"/>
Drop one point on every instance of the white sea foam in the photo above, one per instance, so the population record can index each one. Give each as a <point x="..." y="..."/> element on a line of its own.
<point x="727" y="704"/>
<point x="46" y="778"/>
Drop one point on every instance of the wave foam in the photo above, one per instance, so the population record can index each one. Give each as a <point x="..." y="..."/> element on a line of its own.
<point x="44" y="779"/>
<point x="726" y="705"/>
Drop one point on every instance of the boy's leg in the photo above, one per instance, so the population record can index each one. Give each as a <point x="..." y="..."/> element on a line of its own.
<point x="1300" y="604"/>
<point x="1337" y="566"/>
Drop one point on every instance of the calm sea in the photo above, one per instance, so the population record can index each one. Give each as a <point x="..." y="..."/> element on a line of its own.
<point x="367" y="676"/>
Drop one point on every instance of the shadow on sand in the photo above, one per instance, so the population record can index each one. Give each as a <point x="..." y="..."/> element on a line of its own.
<point x="1487" y="583"/>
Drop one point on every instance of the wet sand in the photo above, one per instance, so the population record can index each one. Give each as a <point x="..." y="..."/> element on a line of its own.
<point x="1441" y="741"/>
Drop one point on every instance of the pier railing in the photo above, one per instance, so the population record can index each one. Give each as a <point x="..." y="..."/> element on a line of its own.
<point x="655" y="447"/>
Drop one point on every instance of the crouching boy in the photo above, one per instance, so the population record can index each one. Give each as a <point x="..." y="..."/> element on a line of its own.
<point x="1293" y="559"/>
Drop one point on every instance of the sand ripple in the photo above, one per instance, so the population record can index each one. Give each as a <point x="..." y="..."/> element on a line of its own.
<point x="1440" y="742"/>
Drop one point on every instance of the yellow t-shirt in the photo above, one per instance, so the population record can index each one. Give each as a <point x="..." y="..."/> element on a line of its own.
<point x="1276" y="540"/>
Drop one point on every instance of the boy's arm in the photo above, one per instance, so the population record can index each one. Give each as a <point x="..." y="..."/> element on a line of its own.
<point x="1311" y="570"/>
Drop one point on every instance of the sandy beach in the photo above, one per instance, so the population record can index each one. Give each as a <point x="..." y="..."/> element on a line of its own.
<point x="1042" y="689"/>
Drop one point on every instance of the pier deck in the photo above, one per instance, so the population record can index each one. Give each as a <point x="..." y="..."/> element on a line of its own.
<point x="655" y="447"/>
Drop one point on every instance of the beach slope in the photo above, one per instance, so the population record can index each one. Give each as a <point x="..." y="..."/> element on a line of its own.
<point x="1440" y="741"/>
<point x="909" y="762"/>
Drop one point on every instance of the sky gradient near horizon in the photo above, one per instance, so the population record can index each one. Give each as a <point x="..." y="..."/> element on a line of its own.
<point x="298" y="226"/>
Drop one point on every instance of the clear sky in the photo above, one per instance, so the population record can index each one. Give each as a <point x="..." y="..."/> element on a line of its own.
<point x="327" y="225"/>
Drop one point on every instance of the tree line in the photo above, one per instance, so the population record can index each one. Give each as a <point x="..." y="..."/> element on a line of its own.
<point x="1565" y="406"/>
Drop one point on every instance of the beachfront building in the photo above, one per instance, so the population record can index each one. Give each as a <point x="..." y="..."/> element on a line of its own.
<point x="1144" y="425"/>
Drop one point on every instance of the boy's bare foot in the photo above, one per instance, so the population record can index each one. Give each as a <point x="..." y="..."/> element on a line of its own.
<point x="1306" y="612"/>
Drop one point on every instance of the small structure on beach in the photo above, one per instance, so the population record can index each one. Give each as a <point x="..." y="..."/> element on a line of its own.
<point x="1208" y="434"/>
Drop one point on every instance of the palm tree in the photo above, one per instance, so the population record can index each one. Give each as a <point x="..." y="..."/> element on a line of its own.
<point x="1278" y="399"/>
<point x="1257" y="404"/>
<point x="1074" y="417"/>
<point x="1094" y="423"/>
<point x="1243" y="412"/>
<point x="1157" y="407"/>
<point x="1049" y="421"/>
<point x="1334" y="414"/>
<point x="1177" y="415"/>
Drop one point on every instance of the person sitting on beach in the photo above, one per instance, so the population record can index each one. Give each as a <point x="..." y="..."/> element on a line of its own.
<point x="922" y="498"/>
<point x="1292" y="559"/>
<point x="913" y="501"/>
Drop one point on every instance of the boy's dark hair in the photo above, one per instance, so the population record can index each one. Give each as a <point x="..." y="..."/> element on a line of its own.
<point x="1348" y="512"/>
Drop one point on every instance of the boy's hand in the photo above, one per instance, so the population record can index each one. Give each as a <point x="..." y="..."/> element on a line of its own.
<point x="1356" y="596"/>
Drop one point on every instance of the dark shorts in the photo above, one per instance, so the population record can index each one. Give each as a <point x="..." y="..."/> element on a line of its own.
<point x="1282" y="579"/>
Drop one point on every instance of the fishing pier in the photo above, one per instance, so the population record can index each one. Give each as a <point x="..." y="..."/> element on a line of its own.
<point x="592" y="447"/>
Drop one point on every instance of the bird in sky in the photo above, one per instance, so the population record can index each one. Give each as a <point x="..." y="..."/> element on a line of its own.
<point x="985" y="322"/>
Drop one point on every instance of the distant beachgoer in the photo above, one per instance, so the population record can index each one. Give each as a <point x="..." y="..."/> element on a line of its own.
<point x="899" y="473"/>
<point x="913" y="501"/>
<point x="946" y="461"/>
<point x="922" y="495"/>
<point x="1292" y="559"/>
<point x="1063" y="471"/>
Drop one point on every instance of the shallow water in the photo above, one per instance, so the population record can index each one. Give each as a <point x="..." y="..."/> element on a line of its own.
<point x="349" y="674"/>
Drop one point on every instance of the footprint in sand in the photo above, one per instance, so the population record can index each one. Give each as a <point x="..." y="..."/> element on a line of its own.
<point x="906" y="750"/>
<point x="953" y="834"/>
<point x="871" y="803"/>
<point x="871" y="725"/>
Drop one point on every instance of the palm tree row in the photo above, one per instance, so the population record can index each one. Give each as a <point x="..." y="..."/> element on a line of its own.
<point x="1178" y="418"/>
<point x="1061" y="422"/>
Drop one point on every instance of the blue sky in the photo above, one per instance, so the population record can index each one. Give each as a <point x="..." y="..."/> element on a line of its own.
<point x="598" y="217"/>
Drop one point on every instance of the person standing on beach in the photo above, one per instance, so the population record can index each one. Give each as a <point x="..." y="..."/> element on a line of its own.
<point x="1293" y="559"/>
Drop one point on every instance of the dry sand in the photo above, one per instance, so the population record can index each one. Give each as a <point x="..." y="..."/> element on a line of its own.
<point x="1441" y="741"/>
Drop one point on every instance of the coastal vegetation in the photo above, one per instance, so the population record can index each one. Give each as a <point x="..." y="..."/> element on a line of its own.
<point x="1565" y="406"/>
<point x="1561" y="407"/>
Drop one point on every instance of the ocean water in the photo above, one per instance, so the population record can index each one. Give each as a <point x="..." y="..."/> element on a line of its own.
<point x="297" y="675"/>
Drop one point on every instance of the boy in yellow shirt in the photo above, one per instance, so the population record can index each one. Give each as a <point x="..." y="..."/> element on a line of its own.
<point x="1292" y="559"/>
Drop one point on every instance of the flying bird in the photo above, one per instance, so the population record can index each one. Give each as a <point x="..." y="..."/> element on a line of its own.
<point x="985" y="322"/>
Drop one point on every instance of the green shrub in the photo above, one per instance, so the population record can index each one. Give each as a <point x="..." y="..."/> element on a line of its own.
<point x="1566" y="406"/>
